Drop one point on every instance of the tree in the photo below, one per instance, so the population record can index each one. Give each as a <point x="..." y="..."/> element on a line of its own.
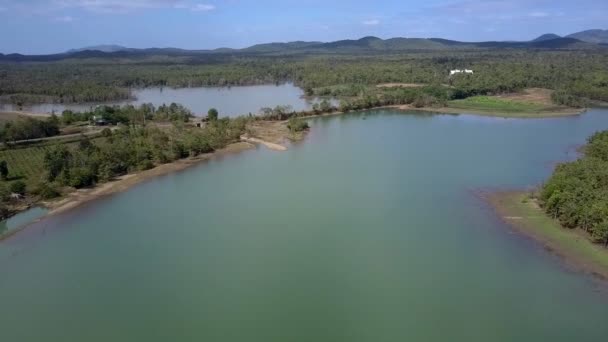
<point x="212" y="114"/>
<point x="46" y="191"/>
<point x="309" y="91"/>
<point x="297" y="125"/>
<point x="56" y="160"/>
<point x="3" y="169"/>
<point x="325" y="106"/>
<point x="17" y="187"/>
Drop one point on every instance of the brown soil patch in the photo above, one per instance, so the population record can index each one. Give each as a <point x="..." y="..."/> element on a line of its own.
<point x="275" y="132"/>
<point x="532" y="95"/>
<point x="400" y="85"/>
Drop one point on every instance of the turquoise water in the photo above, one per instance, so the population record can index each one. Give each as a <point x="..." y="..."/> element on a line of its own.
<point x="369" y="230"/>
<point x="229" y="101"/>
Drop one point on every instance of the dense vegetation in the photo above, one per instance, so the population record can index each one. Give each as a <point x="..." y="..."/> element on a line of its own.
<point x="29" y="128"/>
<point x="575" y="74"/>
<point x="577" y="192"/>
<point x="42" y="170"/>
<point x="32" y="128"/>
<point x="134" y="148"/>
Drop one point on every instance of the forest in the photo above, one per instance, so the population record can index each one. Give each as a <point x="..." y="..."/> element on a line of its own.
<point x="577" y="76"/>
<point x="577" y="192"/>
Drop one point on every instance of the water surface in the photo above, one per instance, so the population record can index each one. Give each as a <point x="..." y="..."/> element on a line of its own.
<point x="21" y="219"/>
<point x="369" y="230"/>
<point x="229" y="101"/>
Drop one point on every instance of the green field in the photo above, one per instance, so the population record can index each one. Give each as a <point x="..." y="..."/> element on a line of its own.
<point x="572" y="244"/>
<point x="493" y="104"/>
<point x="25" y="163"/>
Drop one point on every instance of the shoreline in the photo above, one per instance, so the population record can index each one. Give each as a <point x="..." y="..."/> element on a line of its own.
<point x="270" y="145"/>
<point x="123" y="183"/>
<point x="526" y="218"/>
<point x="458" y="111"/>
<point x="488" y="113"/>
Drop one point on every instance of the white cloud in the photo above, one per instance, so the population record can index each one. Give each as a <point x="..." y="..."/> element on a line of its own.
<point x="202" y="8"/>
<point x="538" y="14"/>
<point x="125" y="6"/>
<point x="371" y="22"/>
<point x="65" y="19"/>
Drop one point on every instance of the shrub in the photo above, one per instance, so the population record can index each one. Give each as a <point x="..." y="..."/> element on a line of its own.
<point x="106" y="132"/>
<point x="5" y="193"/>
<point x="17" y="187"/>
<point x="297" y="125"/>
<point x="564" y="98"/>
<point x="3" y="170"/>
<point x="46" y="191"/>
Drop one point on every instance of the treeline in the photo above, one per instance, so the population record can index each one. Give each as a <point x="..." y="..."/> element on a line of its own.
<point x="33" y="128"/>
<point x="578" y="73"/>
<point x="577" y="192"/>
<point x="29" y="128"/>
<point x="565" y="98"/>
<point x="135" y="148"/>
<point x="418" y="97"/>
<point x="129" y="114"/>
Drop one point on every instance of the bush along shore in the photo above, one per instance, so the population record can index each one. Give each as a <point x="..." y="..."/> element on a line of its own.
<point x="577" y="192"/>
<point x="133" y="141"/>
<point x="569" y="212"/>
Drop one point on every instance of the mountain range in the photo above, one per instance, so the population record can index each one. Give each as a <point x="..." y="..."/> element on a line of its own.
<point x="590" y="39"/>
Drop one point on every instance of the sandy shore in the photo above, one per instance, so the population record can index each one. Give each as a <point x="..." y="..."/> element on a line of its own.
<point x="270" y="145"/>
<point x="16" y="113"/>
<point x="125" y="182"/>
<point x="573" y="246"/>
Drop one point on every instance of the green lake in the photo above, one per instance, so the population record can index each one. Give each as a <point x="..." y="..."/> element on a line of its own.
<point x="368" y="230"/>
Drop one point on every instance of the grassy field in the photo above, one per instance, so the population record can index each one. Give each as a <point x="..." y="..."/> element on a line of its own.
<point x="26" y="162"/>
<point x="573" y="245"/>
<point x="495" y="104"/>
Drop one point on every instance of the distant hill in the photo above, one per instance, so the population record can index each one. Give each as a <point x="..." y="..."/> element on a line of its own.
<point x="546" y="36"/>
<point x="102" y="48"/>
<point x="591" y="36"/>
<point x="274" y="47"/>
<point x="591" y="39"/>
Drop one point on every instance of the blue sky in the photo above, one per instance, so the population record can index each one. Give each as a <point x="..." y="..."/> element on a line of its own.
<point x="37" y="26"/>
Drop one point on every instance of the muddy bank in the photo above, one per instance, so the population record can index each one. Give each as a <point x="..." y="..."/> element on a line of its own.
<point x="272" y="146"/>
<point x="123" y="183"/>
<point x="573" y="246"/>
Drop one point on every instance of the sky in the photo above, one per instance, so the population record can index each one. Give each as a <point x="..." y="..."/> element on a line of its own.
<point x="52" y="26"/>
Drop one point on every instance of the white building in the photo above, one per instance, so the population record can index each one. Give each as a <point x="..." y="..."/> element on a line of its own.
<point x="458" y="71"/>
